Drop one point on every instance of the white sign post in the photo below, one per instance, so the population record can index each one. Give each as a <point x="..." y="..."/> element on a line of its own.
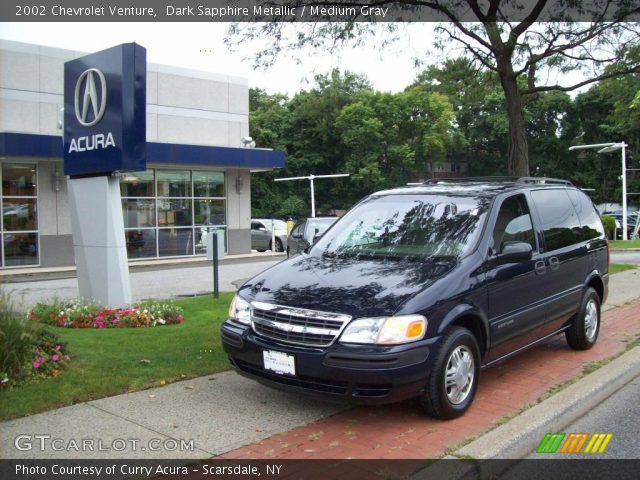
<point x="98" y="240"/>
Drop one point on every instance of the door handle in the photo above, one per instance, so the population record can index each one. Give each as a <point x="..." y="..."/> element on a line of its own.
<point x="554" y="263"/>
<point x="540" y="267"/>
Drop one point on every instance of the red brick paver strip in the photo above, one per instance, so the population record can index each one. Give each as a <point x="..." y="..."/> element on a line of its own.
<point x="402" y="431"/>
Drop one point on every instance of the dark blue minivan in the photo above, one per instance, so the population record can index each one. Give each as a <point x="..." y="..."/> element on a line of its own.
<point x="416" y="289"/>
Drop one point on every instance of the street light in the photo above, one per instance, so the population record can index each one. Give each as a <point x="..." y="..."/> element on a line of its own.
<point x="608" y="148"/>
<point x="311" y="178"/>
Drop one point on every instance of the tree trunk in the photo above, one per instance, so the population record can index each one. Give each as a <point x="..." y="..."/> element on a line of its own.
<point x="518" y="143"/>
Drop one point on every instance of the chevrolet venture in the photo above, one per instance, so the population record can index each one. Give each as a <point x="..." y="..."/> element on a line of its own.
<point x="416" y="289"/>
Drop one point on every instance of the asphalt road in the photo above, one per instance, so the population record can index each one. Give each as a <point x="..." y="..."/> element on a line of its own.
<point x="632" y="256"/>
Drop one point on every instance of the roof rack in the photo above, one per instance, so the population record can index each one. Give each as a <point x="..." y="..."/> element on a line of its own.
<point x="505" y="179"/>
<point x="544" y="180"/>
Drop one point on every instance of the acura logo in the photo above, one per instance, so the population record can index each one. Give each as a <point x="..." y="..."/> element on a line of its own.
<point x="89" y="97"/>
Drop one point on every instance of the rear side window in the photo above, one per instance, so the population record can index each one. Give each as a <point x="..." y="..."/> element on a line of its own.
<point x="560" y="224"/>
<point x="589" y="218"/>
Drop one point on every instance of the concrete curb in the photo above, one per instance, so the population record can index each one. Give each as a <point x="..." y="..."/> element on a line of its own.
<point x="521" y="435"/>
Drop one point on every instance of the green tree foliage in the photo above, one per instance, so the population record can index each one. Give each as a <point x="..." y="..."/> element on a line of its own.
<point x="521" y="42"/>
<point x="455" y="112"/>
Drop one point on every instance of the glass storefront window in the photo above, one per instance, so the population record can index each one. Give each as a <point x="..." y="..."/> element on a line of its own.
<point x="19" y="234"/>
<point x="137" y="184"/>
<point x="19" y="214"/>
<point x="20" y="249"/>
<point x="19" y="179"/>
<point x="141" y="243"/>
<point x="173" y="242"/>
<point x="208" y="184"/>
<point x="208" y="212"/>
<point x="174" y="213"/>
<point x="200" y="235"/>
<point x="174" y="183"/>
<point x="139" y="212"/>
<point x="166" y="212"/>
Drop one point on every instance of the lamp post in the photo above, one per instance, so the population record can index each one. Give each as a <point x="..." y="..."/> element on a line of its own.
<point x="608" y="148"/>
<point x="311" y="178"/>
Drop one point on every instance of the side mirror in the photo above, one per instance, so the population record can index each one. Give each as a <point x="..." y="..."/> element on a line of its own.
<point x="514" y="252"/>
<point x="296" y="235"/>
<point x="262" y="229"/>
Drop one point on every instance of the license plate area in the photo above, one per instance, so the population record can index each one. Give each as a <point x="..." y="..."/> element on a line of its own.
<point x="279" y="362"/>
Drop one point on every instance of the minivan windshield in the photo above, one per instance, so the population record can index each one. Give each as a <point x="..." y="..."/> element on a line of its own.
<point x="406" y="226"/>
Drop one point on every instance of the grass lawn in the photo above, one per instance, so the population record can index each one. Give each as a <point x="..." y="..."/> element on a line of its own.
<point x="107" y="362"/>
<point x="623" y="245"/>
<point x="620" y="267"/>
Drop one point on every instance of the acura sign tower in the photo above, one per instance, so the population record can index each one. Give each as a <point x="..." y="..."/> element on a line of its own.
<point x="104" y="134"/>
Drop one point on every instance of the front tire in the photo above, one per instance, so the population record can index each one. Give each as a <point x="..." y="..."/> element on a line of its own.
<point x="452" y="384"/>
<point x="583" y="333"/>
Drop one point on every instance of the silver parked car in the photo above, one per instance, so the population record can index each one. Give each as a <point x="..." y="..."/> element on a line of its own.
<point x="261" y="234"/>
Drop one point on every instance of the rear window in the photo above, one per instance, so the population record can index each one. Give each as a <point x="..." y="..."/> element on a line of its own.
<point x="560" y="223"/>
<point x="589" y="218"/>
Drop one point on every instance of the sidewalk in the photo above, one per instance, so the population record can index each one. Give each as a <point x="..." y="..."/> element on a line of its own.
<point x="228" y="416"/>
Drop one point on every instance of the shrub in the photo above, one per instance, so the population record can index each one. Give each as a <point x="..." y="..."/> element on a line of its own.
<point x="16" y="346"/>
<point x="26" y="351"/>
<point x="609" y="224"/>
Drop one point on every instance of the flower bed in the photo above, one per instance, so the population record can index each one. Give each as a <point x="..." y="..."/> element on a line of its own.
<point x="91" y="315"/>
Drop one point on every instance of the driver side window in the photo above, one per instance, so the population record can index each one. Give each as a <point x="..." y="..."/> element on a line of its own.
<point x="513" y="224"/>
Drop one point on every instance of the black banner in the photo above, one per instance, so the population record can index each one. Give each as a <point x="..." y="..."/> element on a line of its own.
<point x="318" y="469"/>
<point x="311" y="10"/>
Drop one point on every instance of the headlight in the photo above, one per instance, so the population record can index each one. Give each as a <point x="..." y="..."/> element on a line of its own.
<point x="385" y="330"/>
<point x="240" y="310"/>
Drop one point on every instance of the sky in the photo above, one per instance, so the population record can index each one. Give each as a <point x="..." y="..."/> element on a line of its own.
<point x="200" y="46"/>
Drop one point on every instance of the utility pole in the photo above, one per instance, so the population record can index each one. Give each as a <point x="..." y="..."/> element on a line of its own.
<point x="311" y="178"/>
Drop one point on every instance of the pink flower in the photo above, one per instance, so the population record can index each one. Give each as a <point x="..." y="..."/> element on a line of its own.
<point x="55" y="358"/>
<point x="36" y="365"/>
<point x="57" y="349"/>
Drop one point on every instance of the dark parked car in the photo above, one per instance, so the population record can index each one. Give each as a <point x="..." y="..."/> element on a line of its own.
<point x="416" y="289"/>
<point x="305" y="232"/>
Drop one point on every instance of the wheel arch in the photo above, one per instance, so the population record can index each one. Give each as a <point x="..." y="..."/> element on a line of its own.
<point x="469" y="317"/>
<point x="595" y="281"/>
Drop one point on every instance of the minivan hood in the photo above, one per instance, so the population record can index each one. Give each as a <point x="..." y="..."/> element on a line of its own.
<point x="344" y="285"/>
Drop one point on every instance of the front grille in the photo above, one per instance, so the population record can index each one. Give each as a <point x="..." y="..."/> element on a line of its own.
<point x="297" y="326"/>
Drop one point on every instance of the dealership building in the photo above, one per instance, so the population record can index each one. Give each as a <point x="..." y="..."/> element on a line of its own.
<point x="199" y="162"/>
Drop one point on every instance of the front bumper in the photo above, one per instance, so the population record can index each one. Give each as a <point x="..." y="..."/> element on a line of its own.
<point x="357" y="374"/>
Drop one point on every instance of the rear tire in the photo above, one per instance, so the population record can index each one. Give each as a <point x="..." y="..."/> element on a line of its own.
<point x="453" y="381"/>
<point x="279" y="247"/>
<point x="583" y="333"/>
